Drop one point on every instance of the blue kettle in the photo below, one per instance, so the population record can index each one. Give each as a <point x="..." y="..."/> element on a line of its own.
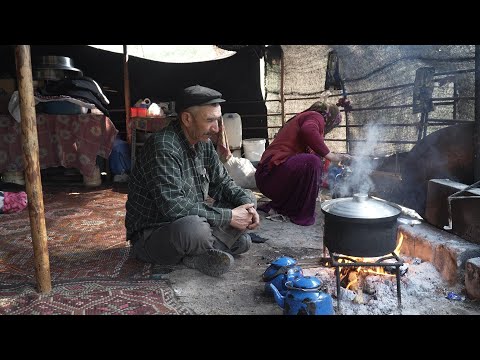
<point x="304" y="297"/>
<point x="279" y="272"/>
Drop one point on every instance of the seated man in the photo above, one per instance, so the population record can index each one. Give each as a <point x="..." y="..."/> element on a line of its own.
<point x="167" y="218"/>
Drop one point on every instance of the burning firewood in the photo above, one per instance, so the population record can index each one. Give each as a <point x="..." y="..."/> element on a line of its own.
<point x="392" y="269"/>
<point x="356" y="282"/>
<point x="353" y="280"/>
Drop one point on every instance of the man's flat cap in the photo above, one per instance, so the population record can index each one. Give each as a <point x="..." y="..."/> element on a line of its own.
<point x="197" y="95"/>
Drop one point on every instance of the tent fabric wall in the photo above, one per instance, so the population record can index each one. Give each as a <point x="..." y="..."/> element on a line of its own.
<point x="367" y="67"/>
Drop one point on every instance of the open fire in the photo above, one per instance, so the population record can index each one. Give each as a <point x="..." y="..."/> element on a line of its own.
<point x="354" y="276"/>
<point x="352" y="273"/>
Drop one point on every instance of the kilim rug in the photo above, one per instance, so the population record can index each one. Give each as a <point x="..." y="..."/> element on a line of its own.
<point x="86" y="244"/>
<point x="98" y="297"/>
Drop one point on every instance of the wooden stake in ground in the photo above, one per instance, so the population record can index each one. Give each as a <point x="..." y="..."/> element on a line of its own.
<point x="32" y="168"/>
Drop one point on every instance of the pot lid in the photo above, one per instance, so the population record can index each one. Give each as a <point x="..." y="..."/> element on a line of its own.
<point x="55" y="62"/>
<point x="361" y="206"/>
<point x="284" y="261"/>
<point x="306" y="283"/>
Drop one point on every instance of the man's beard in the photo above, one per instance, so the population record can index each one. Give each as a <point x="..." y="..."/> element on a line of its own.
<point x="194" y="134"/>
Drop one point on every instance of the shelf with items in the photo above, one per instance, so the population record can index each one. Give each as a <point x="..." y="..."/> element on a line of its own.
<point x="145" y="126"/>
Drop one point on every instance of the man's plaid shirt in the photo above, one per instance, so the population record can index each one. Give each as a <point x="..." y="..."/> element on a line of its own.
<point x="171" y="179"/>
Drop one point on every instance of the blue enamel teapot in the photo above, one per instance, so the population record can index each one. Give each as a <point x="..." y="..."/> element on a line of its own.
<point x="279" y="272"/>
<point x="304" y="297"/>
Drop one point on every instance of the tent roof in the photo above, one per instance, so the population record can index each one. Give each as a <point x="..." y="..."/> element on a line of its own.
<point x="172" y="53"/>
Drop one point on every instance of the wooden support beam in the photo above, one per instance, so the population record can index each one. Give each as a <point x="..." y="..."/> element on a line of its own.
<point x="282" y="85"/>
<point x="32" y="168"/>
<point x="476" y="131"/>
<point x="126" y="89"/>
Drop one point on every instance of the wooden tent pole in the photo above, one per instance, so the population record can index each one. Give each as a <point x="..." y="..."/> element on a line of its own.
<point x="126" y="90"/>
<point x="32" y="168"/>
<point x="476" y="127"/>
<point x="282" y="85"/>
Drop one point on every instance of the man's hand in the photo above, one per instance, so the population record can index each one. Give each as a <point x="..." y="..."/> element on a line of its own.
<point x="255" y="218"/>
<point x="245" y="216"/>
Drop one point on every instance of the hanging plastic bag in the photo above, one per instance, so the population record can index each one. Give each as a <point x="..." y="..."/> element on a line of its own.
<point x="154" y="110"/>
<point x="242" y="172"/>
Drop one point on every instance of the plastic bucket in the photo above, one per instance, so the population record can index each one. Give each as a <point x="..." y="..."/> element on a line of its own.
<point x="253" y="148"/>
<point x="233" y="129"/>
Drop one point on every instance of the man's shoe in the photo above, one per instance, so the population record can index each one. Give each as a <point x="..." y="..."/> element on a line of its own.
<point x="213" y="263"/>
<point x="242" y="245"/>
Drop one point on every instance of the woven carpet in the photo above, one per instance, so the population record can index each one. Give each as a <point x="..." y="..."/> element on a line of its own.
<point x="86" y="244"/>
<point x="100" y="297"/>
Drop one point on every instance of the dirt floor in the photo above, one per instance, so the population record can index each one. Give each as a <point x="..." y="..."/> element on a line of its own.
<point x="241" y="291"/>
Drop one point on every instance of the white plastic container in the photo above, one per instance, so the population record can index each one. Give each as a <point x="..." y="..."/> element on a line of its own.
<point x="233" y="128"/>
<point x="237" y="153"/>
<point x="253" y="148"/>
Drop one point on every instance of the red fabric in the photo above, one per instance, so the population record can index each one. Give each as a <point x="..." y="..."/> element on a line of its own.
<point x="14" y="202"/>
<point x="292" y="186"/>
<point x="303" y="132"/>
<point x="71" y="141"/>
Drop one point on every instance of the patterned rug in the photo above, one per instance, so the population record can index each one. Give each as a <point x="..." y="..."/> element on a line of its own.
<point x="99" y="297"/>
<point x="86" y="244"/>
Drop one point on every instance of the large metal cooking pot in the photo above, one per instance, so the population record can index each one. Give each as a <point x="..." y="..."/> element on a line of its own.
<point x="360" y="226"/>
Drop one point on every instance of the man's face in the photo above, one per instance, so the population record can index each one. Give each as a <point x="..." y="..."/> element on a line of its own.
<point x="201" y="123"/>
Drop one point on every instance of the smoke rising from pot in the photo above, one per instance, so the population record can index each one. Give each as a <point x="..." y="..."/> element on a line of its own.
<point x="363" y="164"/>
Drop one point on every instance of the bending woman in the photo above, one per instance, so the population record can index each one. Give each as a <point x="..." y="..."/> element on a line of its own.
<point x="290" y="170"/>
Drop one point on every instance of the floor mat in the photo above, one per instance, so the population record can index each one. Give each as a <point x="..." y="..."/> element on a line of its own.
<point x="91" y="266"/>
<point x="86" y="239"/>
<point x="107" y="297"/>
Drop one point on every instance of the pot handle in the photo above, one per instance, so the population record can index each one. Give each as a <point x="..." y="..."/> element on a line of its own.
<point x="280" y="270"/>
<point x="410" y="222"/>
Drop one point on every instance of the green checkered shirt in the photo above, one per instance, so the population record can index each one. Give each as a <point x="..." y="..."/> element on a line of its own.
<point x="171" y="179"/>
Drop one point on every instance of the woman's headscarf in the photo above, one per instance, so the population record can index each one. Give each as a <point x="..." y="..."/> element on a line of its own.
<point x="330" y="113"/>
